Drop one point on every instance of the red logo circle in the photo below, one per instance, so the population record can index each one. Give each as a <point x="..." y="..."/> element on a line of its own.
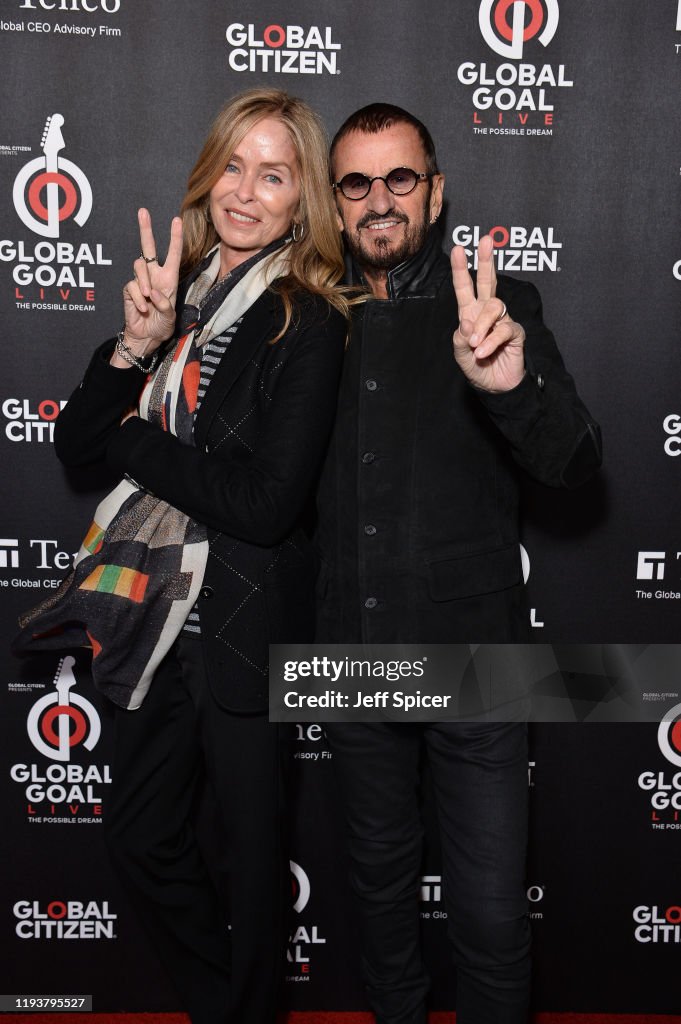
<point x="47" y="728"/>
<point x="503" y="27"/>
<point x="66" y="186"/>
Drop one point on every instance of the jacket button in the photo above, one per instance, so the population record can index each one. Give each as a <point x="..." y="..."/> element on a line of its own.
<point x="368" y="457"/>
<point x="371" y="385"/>
<point x="370" y="530"/>
<point x="206" y="592"/>
<point x="540" y="382"/>
<point x="370" y="602"/>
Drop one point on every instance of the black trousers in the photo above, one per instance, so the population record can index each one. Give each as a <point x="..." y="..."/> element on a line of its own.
<point x="479" y="776"/>
<point x="164" y="752"/>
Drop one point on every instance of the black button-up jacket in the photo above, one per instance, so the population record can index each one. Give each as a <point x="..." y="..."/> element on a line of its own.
<point x="418" y="504"/>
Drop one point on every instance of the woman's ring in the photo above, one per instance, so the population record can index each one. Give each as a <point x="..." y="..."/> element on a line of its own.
<point x="153" y="259"/>
<point x="502" y="314"/>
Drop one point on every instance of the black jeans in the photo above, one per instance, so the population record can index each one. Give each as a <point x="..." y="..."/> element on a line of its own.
<point x="479" y="776"/>
<point x="164" y="751"/>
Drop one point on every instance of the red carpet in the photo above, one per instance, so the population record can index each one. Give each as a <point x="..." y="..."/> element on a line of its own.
<point x="326" y="1017"/>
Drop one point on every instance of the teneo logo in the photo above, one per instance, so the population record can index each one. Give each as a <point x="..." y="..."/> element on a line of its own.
<point x="312" y="733"/>
<point x="49" y="192"/>
<point x="431" y="888"/>
<point x="287" y="50"/>
<point x="657" y="924"/>
<point x="64" y="919"/>
<point x="90" y="6"/>
<point x="41" y="554"/>
<point x="515" y="94"/>
<point x="51" y="189"/>
<point x="30" y="422"/>
<point x="62" y="720"/>
<point x="650" y="565"/>
<point x="672" y="428"/>
<point x="9" y="553"/>
<point x="431" y="892"/>
<point x="535" y="895"/>
<point x="529" y="19"/>
<point x="516" y="247"/>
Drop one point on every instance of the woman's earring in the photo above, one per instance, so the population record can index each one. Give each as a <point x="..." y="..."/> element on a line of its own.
<point x="297" y="232"/>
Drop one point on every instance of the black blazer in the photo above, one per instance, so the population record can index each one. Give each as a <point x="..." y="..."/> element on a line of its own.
<point x="260" y="435"/>
<point x="419" y="499"/>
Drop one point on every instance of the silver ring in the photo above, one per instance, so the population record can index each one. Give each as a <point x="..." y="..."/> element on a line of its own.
<point x="153" y="259"/>
<point x="502" y="314"/>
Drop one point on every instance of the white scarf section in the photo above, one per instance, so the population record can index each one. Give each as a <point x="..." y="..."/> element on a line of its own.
<point x="237" y="302"/>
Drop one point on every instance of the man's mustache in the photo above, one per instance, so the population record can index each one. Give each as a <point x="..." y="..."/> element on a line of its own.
<point x="373" y="218"/>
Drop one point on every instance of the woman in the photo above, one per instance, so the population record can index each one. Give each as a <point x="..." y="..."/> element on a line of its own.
<point x="198" y="560"/>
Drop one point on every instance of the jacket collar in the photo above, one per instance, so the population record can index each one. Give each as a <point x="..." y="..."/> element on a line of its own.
<point x="421" y="275"/>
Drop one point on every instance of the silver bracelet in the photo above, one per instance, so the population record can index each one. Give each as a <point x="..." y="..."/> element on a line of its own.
<point x="127" y="354"/>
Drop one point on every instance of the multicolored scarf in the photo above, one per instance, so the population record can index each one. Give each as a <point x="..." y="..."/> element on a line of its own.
<point x="141" y="565"/>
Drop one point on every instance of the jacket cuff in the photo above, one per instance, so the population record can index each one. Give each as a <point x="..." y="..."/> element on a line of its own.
<point x="121" y="448"/>
<point x="524" y="400"/>
<point x="113" y="381"/>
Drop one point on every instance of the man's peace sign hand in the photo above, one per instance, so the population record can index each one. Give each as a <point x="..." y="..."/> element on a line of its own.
<point x="488" y="345"/>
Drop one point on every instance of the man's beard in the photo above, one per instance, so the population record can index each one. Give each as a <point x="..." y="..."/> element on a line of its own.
<point x="381" y="254"/>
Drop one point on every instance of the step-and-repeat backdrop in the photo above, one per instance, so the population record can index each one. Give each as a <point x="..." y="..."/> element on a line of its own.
<point x="557" y="128"/>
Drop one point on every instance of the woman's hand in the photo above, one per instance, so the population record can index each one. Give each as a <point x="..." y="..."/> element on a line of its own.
<point x="149" y="299"/>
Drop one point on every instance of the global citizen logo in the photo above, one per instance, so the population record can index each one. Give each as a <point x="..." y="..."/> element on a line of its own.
<point x="657" y="924"/>
<point x="664" y="786"/>
<point x="514" y="94"/>
<point x="28" y="421"/>
<point x="304" y="936"/>
<point x="48" y="193"/>
<point x="283" y="49"/>
<point x="515" y="248"/>
<point x="64" y="919"/>
<point x="58" y="724"/>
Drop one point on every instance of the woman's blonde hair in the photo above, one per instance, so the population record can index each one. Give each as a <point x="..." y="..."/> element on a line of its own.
<point x="316" y="258"/>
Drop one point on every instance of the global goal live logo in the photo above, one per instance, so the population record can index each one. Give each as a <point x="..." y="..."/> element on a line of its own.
<point x="62" y="720"/>
<point x="51" y="189"/>
<point x="512" y="95"/>
<point x="506" y="28"/>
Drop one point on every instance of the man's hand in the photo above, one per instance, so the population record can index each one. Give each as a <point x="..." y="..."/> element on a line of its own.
<point x="149" y="299"/>
<point x="488" y="345"/>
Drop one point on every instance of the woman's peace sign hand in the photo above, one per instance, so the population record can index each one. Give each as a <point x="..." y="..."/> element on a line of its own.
<point x="149" y="299"/>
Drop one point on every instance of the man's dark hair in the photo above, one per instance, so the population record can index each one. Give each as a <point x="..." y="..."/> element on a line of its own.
<point x="375" y="118"/>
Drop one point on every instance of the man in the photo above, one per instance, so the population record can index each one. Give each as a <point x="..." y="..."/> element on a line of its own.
<point x="418" y="533"/>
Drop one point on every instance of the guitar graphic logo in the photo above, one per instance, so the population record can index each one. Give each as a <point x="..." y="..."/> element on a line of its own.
<point x="61" y="719"/>
<point x="51" y="189"/>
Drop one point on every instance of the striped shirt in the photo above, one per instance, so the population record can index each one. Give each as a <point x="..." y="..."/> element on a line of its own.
<point x="213" y="352"/>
